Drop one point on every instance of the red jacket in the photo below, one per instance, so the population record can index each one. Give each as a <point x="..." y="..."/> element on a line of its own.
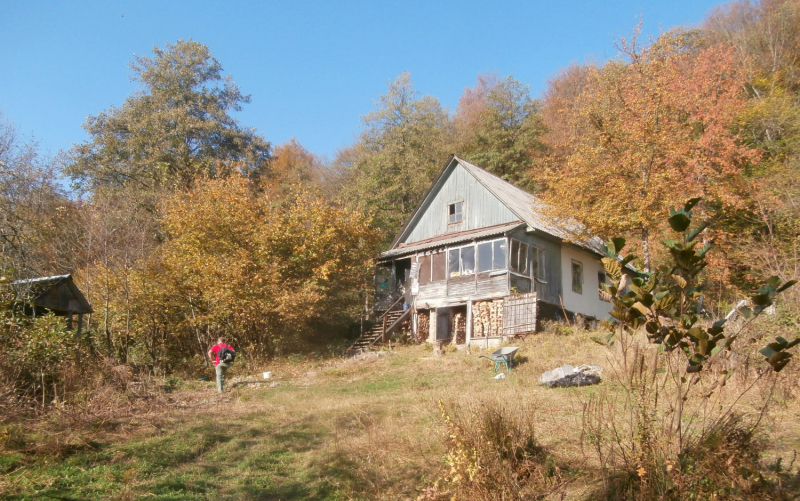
<point x="215" y="350"/>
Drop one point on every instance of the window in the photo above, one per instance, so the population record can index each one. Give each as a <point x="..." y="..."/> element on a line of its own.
<point x="439" y="267"/>
<point x="577" y="277"/>
<point x="424" y="270"/>
<point x="455" y="213"/>
<point x="601" y="279"/>
<point x="461" y="261"/>
<point x="468" y="260"/>
<point x="492" y="255"/>
<point x="484" y="256"/>
<point x="499" y="248"/>
<point x="519" y="257"/>
<point x="537" y="264"/>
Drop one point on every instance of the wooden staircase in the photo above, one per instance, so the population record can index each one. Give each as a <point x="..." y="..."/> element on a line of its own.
<point x="387" y="323"/>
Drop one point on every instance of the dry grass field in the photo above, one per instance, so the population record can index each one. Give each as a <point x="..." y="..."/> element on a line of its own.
<point x="364" y="428"/>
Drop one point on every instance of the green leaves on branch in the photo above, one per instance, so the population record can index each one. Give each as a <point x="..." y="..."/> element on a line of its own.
<point x="664" y="302"/>
<point x="776" y="353"/>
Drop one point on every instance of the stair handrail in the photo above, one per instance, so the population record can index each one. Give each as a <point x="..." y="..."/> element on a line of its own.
<point x="383" y="332"/>
<point x="391" y="327"/>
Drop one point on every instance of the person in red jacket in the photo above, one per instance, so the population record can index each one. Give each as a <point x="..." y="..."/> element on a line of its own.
<point x="220" y="367"/>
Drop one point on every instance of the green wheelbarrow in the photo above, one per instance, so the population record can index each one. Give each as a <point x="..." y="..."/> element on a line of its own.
<point x="503" y="356"/>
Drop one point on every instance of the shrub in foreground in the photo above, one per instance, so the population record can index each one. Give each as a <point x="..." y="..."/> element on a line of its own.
<point x="492" y="453"/>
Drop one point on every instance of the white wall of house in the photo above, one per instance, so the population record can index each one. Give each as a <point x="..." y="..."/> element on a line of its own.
<point x="588" y="302"/>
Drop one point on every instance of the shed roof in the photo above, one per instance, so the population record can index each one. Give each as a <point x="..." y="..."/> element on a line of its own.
<point x="451" y="238"/>
<point x="37" y="291"/>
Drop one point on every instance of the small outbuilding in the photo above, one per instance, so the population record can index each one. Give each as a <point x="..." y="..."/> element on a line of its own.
<point x="58" y="294"/>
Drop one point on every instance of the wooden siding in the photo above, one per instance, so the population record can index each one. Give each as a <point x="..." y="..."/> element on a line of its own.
<point x="522" y="284"/>
<point x="433" y="290"/>
<point x="481" y="207"/>
<point x="490" y="285"/>
<point x="61" y="298"/>
<point x="461" y="286"/>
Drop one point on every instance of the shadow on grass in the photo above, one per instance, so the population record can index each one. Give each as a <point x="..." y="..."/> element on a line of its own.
<point x="330" y="479"/>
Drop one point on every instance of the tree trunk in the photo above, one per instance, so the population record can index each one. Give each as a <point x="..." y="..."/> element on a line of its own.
<point x="646" y="248"/>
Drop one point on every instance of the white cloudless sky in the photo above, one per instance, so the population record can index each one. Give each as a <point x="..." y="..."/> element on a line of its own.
<point x="312" y="68"/>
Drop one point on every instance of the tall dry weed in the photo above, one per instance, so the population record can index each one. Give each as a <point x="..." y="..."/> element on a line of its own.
<point x="492" y="453"/>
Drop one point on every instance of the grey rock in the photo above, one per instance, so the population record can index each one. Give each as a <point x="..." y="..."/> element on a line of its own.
<point x="568" y="376"/>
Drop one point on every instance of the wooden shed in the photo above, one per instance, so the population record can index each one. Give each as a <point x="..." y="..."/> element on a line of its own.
<point x="58" y="294"/>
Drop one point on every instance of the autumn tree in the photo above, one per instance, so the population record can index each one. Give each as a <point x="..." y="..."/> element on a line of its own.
<point x="499" y="127"/>
<point x="292" y="166"/>
<point x="238" y="264"/>
<point x="34" y="208"/>
<point x="176" y="127"/>
<point x="765" y="36"/>
<point x="647" y="132"/>
<point x="399" y="152"/>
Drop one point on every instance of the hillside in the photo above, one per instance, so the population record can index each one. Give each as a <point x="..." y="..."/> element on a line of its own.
<point x="367" y="428"/>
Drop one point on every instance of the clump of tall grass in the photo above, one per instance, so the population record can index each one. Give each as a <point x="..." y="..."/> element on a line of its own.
<point x="492" y="453"/>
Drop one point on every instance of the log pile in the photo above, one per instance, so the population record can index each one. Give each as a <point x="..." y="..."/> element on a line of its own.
<point x="487" y="318"/>
<point x="423" y="326"/>
<point x="459" y="328"/>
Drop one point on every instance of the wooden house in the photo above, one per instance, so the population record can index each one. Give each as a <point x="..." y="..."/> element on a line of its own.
<point x="57" y="294"/>
<point x="479" y="260"/>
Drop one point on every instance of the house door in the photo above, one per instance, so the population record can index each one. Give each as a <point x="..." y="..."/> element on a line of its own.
<point x="442" y="324"/>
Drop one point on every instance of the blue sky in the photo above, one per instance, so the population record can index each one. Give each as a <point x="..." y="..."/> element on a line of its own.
<point x="312" y="68"/>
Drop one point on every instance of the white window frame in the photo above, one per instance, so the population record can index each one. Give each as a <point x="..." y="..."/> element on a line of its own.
<point x="461" y="261"/>
<point x="491" y="242"/>
<point x="447" y="212"/>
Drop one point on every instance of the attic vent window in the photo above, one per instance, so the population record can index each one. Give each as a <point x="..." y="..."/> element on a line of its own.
<point x="455" y="213"/>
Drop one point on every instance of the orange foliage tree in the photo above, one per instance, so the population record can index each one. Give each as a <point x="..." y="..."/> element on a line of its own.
<point x="647" y="133"/>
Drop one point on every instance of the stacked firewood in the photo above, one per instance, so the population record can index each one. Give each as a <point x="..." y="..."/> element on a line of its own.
<point x="487" y="318"/>
<point x="459" y="328"/>
<point x="423" y="326"/>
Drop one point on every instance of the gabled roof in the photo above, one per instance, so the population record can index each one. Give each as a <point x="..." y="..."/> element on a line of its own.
<point x="527" y="207"/>
<point x="34" y="290"/>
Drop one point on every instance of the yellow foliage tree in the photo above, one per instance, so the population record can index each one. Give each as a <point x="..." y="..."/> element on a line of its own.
<point x="261" y="272"/>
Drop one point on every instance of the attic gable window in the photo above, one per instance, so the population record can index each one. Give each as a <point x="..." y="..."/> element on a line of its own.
<point x="455" y="213"/>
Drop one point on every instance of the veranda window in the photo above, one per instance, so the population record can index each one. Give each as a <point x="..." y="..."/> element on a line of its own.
<point x="424" y="270"/>
<point x="462" y="261"/>
<point x="492" y="255"/>
<point x="519" y="257"/>
<point x="537" y="263"/>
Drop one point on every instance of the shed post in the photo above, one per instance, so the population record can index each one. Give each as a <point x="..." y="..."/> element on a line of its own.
<point x="469" y="322"/>
<point x="434" y="315"/>
<point x="80" y="322"/>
